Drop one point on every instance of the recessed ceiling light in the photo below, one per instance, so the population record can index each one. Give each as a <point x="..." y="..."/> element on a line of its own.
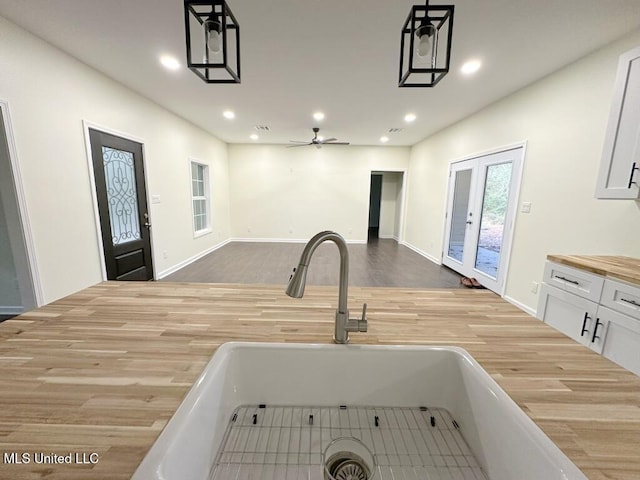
<point x="169" y="62"/>
<point x="318" y="116"/>
<point x="254" y="137"/>
<point x="409" y="117"/>
<point x="229" y="114"/>
<point x="384" y="139"/>
<point x="470" y="67"/>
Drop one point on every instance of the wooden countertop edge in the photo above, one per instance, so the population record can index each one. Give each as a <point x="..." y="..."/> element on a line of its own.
<point x="604" y="269"/>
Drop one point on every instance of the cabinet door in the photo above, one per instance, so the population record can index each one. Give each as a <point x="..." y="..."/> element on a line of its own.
<point x="621" y="342"/>
<point x="572" y="315"/>
<point x="619" y="176"/>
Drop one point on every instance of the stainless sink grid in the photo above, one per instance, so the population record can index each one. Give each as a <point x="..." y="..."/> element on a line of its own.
<point x="287" y="443"/>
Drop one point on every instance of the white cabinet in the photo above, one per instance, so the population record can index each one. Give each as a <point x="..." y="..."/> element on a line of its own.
<point x="622" y="341"/>
<point x="572" y="315"/>
<point x="619" y="175"/>
<point x="598" y="312"/>
<point x="573" y="280"/>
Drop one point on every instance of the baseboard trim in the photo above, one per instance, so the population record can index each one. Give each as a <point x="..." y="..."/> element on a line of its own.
<point x="11" y="310"/>
<point x="520" y="305"/>
<point x="389" y="237"/>
<point x="422" y="252"/>
<point x="283" y="240"/>
<point x="190" y="260"/>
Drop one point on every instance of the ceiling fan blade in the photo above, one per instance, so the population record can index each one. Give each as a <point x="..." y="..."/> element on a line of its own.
<point x="336" y="143"/>
<point x="329" y="140"/>
<point x="299" y="141"/>
<point x="298" y="145"/>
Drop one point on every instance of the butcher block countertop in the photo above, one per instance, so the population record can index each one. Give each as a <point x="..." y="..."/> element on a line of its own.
<point x="99" y="373"/>
<point x="616" y="267"/>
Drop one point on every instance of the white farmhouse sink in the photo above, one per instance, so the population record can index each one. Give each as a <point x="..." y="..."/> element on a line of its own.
<point x="504" y="443"/>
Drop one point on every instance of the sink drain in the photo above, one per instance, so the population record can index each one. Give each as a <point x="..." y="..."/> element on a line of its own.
<point x="347" y="458"/>
<point x="346" y="466"/>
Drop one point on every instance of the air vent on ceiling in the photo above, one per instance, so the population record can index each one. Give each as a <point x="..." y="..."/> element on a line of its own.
<point x="394" y="130"/>
<point x="262" y="128"/>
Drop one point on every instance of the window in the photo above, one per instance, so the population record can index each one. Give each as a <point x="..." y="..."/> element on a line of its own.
<point x="200" y="198"/>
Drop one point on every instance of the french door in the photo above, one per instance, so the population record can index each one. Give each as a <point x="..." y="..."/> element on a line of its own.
<point x="122" y="204"/>
<point x="481" y="212"/>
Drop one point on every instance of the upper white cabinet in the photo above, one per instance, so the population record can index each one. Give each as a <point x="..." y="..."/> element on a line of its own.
<point x="619" y="175"/>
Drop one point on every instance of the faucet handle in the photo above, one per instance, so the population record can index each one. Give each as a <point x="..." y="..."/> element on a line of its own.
<point x="362" y="322"/>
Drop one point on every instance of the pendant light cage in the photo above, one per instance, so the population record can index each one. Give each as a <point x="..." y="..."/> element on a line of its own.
<point x="213" y="41"/>
<point x="425" y="45"/>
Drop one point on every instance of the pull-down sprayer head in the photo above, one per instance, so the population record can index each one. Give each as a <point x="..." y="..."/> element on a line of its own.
<point x="297" y="282"/>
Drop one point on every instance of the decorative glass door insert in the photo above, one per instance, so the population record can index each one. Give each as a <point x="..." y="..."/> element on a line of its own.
<point x="120" y="177"/>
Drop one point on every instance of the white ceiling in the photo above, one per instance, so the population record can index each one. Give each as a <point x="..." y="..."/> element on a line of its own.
<point x="338" y="56"/>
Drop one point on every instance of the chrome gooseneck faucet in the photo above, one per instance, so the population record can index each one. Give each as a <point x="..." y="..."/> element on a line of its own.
<point x="298" y="279"/>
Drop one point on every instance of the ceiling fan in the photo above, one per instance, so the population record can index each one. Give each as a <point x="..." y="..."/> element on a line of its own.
<point x="317" y="141"/>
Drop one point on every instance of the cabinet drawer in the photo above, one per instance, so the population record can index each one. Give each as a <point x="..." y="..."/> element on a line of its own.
<point x="621" y="297"/>
<point x="579" y="282"/>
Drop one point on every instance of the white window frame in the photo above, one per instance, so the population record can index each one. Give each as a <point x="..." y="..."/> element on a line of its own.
<point x="206" y="197"/>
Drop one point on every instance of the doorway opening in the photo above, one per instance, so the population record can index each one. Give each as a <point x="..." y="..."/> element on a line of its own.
<point x="481" y="209"/>
<point x="18" y="279"/>
<point x="375" y="198"/>
<point x="386" y="199"/>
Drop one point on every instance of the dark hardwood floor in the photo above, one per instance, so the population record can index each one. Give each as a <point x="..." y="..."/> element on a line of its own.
<point x="380" y="263"/>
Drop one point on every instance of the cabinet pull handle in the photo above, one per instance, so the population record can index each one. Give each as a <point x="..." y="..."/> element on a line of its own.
<point x="584" y="324"/>
<point x="632" y="302"/>
<point x="595" y="331"/>
<point x="633" y="171"/>
<point x="566" y="279"/>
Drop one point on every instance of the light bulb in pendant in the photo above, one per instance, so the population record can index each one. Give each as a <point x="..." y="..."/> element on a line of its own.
<point x="213" y="40"/>
<point x="427" y="37"/>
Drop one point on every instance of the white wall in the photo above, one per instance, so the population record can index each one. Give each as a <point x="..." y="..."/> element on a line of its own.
<point x="563" y="118"/>
<point x="293" y="193"/>
<point x="50" y="94"/>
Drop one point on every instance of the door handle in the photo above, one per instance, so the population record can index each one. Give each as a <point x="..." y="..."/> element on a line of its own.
<point x="595" y="331"/>
<point x="146" y="220"/>
<point x="566" y="279"/>
<point x="632" y="302"/>
<point x="633" y="171"/>
<point x="469" y="222"/>
<point x="584" y="324"/>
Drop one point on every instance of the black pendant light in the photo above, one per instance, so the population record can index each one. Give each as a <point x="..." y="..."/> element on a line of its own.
<point x="213" y="41"/>
<point x="425" y="45"/>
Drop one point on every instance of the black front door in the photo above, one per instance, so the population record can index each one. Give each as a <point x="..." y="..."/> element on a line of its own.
<point x="122" y="204"/>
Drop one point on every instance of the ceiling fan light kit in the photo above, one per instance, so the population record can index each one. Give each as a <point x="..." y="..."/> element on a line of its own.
<point x="213" y="41"/>
<point x="425" y="45"/>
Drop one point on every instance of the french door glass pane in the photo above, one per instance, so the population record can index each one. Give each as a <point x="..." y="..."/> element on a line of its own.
<point x="122" y="197"/>
<point x="494" y="212"/>
<point x="461" y="193"/>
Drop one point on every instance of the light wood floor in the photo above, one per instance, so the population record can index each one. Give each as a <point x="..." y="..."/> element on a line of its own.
<point x="380" y="263"/>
